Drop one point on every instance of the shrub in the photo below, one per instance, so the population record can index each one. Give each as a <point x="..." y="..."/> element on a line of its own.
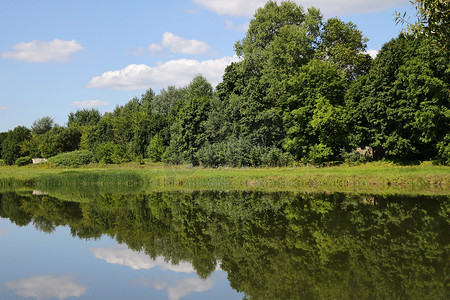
<point x="22" y="161"/>
<point x="352" y="156"/>
<point x="275" y="157"/>
<point x="319" y="153"/>
<point x="73" y="159"/>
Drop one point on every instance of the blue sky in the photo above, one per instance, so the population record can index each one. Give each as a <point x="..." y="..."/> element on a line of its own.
<point x="59" y="56"/>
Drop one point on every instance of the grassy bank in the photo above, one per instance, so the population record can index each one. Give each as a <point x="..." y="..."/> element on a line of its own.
<point x="371" y="177"/>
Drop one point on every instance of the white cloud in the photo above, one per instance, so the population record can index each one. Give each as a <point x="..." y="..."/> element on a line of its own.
<point x="177" y="44"/>
<point x="180" y="288"/>
<point x="3" y="108"/>
<point x="241" y="27"/>
<point x="372" y="53"/>
<point x="330" y="8"/>
<point x="137" y="260"/>
<point x="3" y="232"/>
<point x="42" y="51"/>
<point x="174" y="72"/>
<point x="154" y="48"/>
<point x="89" y="103"/>
<point x="47" y="286"/>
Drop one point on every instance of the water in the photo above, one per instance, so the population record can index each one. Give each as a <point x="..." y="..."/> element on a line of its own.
<point x="223" y="245"/>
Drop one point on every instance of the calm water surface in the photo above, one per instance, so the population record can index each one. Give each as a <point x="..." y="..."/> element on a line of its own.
<point x="223" y="245"/>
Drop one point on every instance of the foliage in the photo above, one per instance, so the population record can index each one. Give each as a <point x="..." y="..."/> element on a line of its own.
<point x="58" y="140"/>
<point x="110" y="153"/>
<point x="155" y="149"/>
<point x="11" y="145"/>
<point x="22" y="161"/>
<point x="42" y="125"/>
<point x="432" y="21"/>
<point x="73" y="159"/>
<point x="84" y="117"/>
<point x="402" y="109"/>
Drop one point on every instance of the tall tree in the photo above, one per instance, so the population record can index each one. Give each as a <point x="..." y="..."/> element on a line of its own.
<point x="84" y="117"/>
<point x="404" y="105"/>
<point x="42" y="125"/>
<point x="12" y="144"/>
<point x="344" y="45"/>
<point x="433" y="21"/>
<point x="188" y="129"/>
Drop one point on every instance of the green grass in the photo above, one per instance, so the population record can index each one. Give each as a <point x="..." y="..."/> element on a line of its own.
<point x="372" y="177"/>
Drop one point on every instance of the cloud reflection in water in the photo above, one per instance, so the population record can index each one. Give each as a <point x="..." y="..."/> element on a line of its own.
<point x="47" y="286"/>
<point x="179" y="288"/>
<point x="138" y="260"/>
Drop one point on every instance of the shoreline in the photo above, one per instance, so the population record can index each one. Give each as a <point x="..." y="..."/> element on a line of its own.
<point x="370" y="177"/>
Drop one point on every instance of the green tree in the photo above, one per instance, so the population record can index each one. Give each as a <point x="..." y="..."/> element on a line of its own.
<point x="12" y="144"/>
<point x="312" y="107"/>
<point x="167" y="99"/>
<point x="155" y="148"/>
<point x="344" y="45"/>
<point x="403" y="107"/>
<point x="188" y="130"/>
<point x="58" y="140"/>
<point x="42" y="125"/>
<point x="84" y="117"/>
<point x="433" y="21"/>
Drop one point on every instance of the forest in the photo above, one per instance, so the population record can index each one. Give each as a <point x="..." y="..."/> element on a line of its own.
<point x="304" y="91"/>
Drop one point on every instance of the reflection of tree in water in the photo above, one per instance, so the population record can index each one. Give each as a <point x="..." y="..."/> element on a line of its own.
<point x="273" y="245"/>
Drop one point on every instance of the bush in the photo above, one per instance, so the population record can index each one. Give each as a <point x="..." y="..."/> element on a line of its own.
<point x="22" y="161"/>
<point x="171" y="156"/>
<point x="319" y="153"/>
<point x="239" y="153"/>
<point x="73" y="159"/>
<point x="2" y="162"/>
<point x="352" y="156"/>
<point x="275" y="157"/>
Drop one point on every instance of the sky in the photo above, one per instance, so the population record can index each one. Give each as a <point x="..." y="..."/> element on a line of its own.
<point x="59" y="56"/>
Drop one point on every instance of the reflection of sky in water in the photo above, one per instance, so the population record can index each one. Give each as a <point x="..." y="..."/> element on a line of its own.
<point x="57" y="266"/>
<point x="137" y="260"/>
<point x="46" y="287"/>
<point x="3" y="232"/>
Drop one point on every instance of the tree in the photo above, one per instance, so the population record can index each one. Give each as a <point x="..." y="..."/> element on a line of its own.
<point x="344" y="45"/>
<point x="312" y="108"/>
<point x="84" y="117"/>
<point x="58" y="140"/>
<point x="155" y="148"/>
<point x="433" y="21"/>
<point x="12" y="145"/>
<point x="167" y="99"/>
<point x="42" y="125"/>
<point x="188" y="129"/>
<point x="403" y="107"/>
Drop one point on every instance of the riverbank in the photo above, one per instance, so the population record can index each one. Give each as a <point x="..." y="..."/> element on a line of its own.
<point x="375" y="177"/>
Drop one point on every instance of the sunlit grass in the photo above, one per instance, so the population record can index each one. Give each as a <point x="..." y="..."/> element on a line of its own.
<point x="376" y="176"/>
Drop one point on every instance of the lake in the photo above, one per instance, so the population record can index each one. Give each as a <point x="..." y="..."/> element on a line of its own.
<point x="222" y="245"/>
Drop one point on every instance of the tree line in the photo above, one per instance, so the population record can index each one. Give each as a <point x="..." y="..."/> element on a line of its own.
<point x="304" y="90"/>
